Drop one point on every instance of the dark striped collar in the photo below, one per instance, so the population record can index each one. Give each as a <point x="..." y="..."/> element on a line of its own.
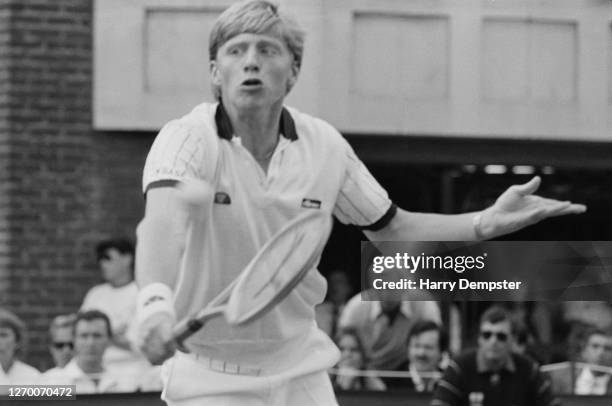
<point x="225" y="130"/>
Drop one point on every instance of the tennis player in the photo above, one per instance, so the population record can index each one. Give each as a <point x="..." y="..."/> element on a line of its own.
<point x="220" y="181"/>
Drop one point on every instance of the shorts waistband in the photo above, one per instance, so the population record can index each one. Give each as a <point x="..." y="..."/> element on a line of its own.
<point x="225" y="367"/>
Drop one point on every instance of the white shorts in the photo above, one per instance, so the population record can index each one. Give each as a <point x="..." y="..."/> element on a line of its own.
<point x="191" y="380"/>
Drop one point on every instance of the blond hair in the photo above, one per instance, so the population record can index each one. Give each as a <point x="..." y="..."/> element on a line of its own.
<point x="255" y="17"/>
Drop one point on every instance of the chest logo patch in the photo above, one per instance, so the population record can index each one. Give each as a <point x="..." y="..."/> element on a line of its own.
<point x="222" y="198"/>
<point x="311" y="203"/>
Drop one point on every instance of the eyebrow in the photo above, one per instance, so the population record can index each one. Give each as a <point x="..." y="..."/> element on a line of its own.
<point x="258" y="42"/>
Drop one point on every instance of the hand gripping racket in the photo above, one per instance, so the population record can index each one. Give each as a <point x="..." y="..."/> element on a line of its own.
<point x="270" y="276"/>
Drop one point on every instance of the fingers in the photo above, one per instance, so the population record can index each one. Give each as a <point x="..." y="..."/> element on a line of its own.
<point x="156" y="341"/>
<point x="568" y="208"/>
<point x="529" y="187"/>
<point x="552" y="208"/>
<point x="157" y="349"/>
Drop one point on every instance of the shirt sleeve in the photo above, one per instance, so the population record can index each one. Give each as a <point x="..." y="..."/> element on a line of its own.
<point x="450" y="388"/>
<point x="176" y="154"/>
<point x="543" y="388"/>
<point x="362" y="201"/>
<point x="87" y="300"/>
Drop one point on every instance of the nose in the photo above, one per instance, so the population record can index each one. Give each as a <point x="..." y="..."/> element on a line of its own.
<point x="251" y="60"/>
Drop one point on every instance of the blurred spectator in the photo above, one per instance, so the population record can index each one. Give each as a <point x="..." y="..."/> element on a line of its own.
<point x="353" y="359"/>
<point x="587" y="378"/>
<point x="524" y="343"/>
<point x="12" y="343"/>
<point x="117" y="299"/>
<point x="578" y="314"/>
<point x="427" y="346"/>
<point x="61" y="344"/>
<point x="339" y="291"/>
<point x="92" y="336"/>
<point x="383" y="326"/>
<point x="561" y="325"/>
<point x="493" y="375"/>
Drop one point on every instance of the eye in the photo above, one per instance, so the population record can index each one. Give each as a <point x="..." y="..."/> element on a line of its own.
<point x="268" y="50"/>
<point x="233" y="51"/>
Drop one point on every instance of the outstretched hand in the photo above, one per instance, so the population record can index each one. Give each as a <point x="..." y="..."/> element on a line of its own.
<point x="518" y="207"/>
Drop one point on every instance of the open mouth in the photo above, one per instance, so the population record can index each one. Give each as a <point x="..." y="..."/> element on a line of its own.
<point x="252" y="82"/>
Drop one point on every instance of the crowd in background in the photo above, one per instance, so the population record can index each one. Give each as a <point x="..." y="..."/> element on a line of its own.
<point x="385" y="345"/>
<point x="93" y="348"/>
<point x="392" y="344"/>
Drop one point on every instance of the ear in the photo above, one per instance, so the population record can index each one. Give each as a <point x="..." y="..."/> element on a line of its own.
<point x="215" y="77"/>
<point x="295" y="70"/>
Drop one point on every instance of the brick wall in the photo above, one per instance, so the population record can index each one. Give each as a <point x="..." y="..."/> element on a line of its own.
<point x="4" y="150"/>
<point x="63" y="186"/>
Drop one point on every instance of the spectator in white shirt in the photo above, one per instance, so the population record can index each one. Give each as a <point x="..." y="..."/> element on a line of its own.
<point x="12" y="343"/>
<point x="117" y="299"/>
<point x="92" y="336"/>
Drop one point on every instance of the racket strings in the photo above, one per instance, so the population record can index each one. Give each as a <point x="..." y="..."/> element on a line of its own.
<point x="274" y="281"/>
<point x="284" y="265"/>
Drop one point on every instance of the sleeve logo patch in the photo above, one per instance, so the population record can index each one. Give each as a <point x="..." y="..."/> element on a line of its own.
<point x="222" y="198"/>
<point x="153" y="299"/>
<point x="311" y="203"/>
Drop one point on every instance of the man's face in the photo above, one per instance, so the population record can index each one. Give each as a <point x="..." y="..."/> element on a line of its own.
<point x="61" y="346"/>
<point x="90" y="340"/>
<point x="8" y="343"/>
<point x="116" y="267"/>
<point x="598" y="350"/>
<point x="495" y="341"/>
<point x="424" y="352"/>
<point x="254" y="70"/>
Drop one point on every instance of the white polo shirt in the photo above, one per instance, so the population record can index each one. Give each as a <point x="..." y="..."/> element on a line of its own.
<point x="20" y="373"/>
<point x="312" y="168"/>
<point x="72" y="374"/>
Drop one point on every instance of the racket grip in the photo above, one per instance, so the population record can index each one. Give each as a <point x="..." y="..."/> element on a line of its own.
<point x="183" y="333"/>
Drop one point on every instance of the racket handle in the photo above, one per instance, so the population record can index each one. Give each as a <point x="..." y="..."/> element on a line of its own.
<point x="184" y="332"/>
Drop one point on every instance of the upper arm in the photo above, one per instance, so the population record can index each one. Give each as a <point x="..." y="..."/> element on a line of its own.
<point x="361" y="201"/>
<point x="180" y="151"/>
<point x="183" y="151"/>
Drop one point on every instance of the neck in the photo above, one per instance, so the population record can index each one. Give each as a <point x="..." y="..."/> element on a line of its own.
<point x="258" y="128"/>
<point x="495" y="364"/>
<point x="6" y="364"/>
<point x="89" y="367"/>
<point x="120" y="282"/>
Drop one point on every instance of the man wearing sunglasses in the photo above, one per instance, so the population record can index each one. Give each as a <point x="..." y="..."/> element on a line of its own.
<point x="493" y="375"/>
<point x="61" y="344"/>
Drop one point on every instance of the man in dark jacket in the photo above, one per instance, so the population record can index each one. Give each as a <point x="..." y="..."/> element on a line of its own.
<point x="492" y="375"/>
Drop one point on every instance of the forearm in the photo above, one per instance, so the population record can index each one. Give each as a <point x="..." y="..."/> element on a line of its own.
<point x="121" y="341"/>
<point x="410" y="226"/>
<point x="160" y="237"/>
<point x="157" y="253"/>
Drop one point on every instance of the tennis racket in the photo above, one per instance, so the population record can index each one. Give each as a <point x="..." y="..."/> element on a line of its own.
<point x="270" y="276"/>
